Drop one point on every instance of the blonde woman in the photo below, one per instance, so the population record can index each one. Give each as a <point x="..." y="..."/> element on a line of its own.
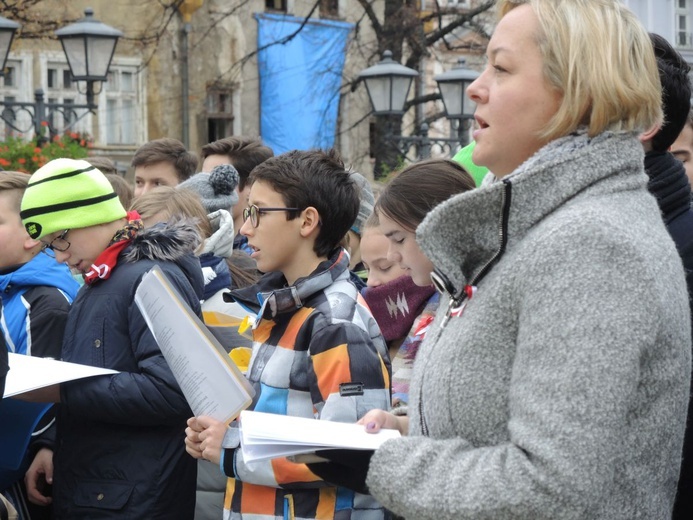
<point x="553" y="382"/>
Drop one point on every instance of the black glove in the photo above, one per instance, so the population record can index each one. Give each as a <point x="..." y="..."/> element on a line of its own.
<point x="347" y="468"/>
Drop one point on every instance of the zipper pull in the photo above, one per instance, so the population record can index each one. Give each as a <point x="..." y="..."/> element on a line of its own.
<point x="448" y="313"/>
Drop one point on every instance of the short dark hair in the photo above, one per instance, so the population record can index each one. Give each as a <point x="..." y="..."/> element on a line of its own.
<point x="245" y="153"/>
<point x="167" y="150"/>
<point x="419" y="188"/>
<point x="314" y="178"/>
<point x="103" y="164"/>
<point x="676" y="92"/>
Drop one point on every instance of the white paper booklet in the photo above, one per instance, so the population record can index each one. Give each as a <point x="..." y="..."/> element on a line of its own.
<point x="268" y="436"/>
<point x="29" y="373"/>
<point x="209" y="380"/>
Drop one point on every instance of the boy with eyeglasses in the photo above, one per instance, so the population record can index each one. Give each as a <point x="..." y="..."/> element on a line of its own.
<point x="317" y="351"/>
<point x="118" y="452"/>
<point x="36" y="294"/>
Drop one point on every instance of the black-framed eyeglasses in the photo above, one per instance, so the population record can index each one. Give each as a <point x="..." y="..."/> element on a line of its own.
<point x="254" y="213"/>
<point x="58" y="243"/>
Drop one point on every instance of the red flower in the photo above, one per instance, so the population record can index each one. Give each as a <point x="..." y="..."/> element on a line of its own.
<point x="37" y="150"/>
<point x="44" y="123"/>
<point x="21" y="160"/>
<point x="4" y="162"/>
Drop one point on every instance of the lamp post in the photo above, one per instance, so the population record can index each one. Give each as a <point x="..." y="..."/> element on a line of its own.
<point x="7" y="30"/>
<point x="89" y="46"/>
<point x="453" y="87"/>
<point x="388" y="85"/>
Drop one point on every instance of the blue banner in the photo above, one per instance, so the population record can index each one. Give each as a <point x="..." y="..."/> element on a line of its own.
<point x="300" y="65"/>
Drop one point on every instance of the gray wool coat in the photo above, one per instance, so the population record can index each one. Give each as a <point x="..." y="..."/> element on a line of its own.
<point x="561" y="390"/>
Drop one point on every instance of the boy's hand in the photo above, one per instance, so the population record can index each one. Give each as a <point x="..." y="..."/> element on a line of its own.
<point x="39" y="477"/>
<point x="203" y="438"/>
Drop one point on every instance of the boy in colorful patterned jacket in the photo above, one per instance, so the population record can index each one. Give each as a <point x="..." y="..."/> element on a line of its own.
<point x="317" y="351"/>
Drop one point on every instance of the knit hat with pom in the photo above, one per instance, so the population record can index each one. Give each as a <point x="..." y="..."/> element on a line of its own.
<point x="366" y="201"/>
<point x="68" y="194"/>
<point x="217" y="190"/>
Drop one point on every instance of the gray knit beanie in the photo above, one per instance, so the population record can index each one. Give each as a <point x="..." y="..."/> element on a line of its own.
<point x="367" y="201"/>
<point x="217" y="190"/>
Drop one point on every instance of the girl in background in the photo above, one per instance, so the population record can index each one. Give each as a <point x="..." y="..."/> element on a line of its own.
<point x="400" y="292"/>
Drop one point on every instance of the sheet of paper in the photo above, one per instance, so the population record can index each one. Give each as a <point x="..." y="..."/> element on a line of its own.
<point x="29" y="373"/>
<point x="209" y="380"/>
<point x="268" y="436"/>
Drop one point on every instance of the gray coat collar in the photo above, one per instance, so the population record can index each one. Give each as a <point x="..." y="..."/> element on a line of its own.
<point x="463" y="234"/>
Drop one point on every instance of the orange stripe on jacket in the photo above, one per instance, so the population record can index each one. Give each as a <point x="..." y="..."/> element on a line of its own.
<point x="286" y="472"/>
<point x="331" y="369"/>
<point x="326" y="504"/>
<point x="262" y="333"/>
<point x="288" y="339"/>
<point x="258" y="500"/>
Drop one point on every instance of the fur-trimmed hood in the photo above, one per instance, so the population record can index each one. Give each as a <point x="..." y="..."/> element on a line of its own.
<point x="173" y="241"/>
<point x="167" y="241"/>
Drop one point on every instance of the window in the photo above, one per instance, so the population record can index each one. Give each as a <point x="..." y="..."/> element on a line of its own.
<point x="60" y="90"/>
<point x="14" y="90"/>
<point x="10" y="78"/>
<point x="219" y="114"/>
<point x="329" y="8"/>
<point x="683" y="24"/>
<point x="119" y="111"/>
<point x="276" y="5"/>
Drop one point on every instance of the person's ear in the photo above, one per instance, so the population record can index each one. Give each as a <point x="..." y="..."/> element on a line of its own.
<point x="649" y="134"/>
<point x="30" y="243"/>
<point x="310" y="221"/>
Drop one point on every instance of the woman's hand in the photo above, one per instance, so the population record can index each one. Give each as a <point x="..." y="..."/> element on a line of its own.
<point x="203" y="438"/>
<point x="377" y="420"/>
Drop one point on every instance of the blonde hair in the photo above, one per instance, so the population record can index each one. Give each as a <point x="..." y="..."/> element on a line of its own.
<point x="121" y="187"/>
<point x="14" y="183"/>
<point x="164" y="202"/>
<point x="600" y="58"/>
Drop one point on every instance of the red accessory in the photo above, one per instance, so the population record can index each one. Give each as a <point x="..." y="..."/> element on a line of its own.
<point x="103" y="266"/>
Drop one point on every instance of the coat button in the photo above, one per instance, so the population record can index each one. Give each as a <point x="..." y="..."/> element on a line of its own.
<point x="99" y="496"/>
<point x="97" y="343"/>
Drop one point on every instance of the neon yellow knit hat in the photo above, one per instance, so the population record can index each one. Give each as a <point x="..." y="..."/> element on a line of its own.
<point x="68" y="194"/>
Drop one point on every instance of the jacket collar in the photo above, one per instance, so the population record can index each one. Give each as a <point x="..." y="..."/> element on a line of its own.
<point x="41" y="270"/>
<point x="271" y="296"/>
<point x="221" y="242"/>
<point x="168" y="241"/>
<point x="464" y="234"/>
<point x="668" y="183"/>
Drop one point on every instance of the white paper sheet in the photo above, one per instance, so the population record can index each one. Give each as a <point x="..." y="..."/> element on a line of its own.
<point x="29" y="373"/>
<point x="211" y="383"/>
<point x="268" y="436"/>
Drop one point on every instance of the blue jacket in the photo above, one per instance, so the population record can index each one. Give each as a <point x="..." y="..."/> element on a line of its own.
<point x="120" y="439"/>
<point x="36" y="298"/>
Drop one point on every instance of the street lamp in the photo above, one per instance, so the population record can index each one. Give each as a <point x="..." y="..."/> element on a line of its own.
<point x="89" y="46"/>
<point x="7" y="30"/>
<point x="388" y="85"/>
<point x="453" y="89"/>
